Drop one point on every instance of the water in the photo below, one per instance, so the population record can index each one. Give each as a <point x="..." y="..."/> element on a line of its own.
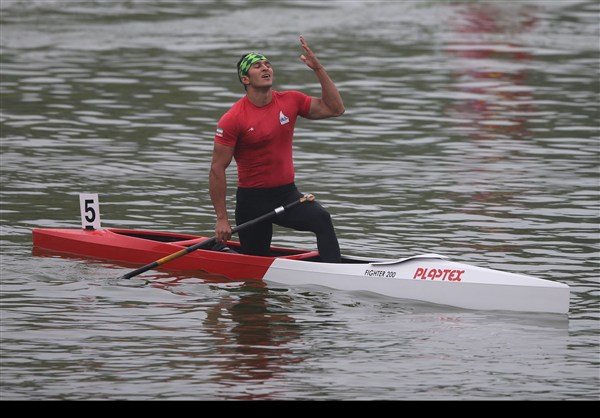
<point x="471" y="130"/>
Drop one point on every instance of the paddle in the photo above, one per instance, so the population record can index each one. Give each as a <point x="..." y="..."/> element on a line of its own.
<point x="210" y="241"/>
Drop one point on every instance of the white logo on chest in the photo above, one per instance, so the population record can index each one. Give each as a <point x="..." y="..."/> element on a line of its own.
<point x="283" y="119"/>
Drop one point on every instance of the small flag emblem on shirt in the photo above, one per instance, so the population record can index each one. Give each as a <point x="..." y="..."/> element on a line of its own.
<point x="219" y="132"/>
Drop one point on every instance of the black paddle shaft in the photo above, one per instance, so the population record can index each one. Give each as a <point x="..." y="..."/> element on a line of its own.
<point x="211" y="241"/>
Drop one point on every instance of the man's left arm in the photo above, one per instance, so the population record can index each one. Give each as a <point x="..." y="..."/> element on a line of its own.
<point x="330" y="103"/>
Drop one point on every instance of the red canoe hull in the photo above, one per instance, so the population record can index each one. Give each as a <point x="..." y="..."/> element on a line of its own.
<point x="135" y="247"/>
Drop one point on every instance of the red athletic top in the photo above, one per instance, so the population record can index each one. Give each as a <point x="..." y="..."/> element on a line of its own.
<point x="262" y="137"/>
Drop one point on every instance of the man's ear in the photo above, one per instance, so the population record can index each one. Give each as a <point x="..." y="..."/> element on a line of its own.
<point x="245" y="80"/>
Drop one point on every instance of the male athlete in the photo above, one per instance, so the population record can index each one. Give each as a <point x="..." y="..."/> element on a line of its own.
<point x="257" y="131"/>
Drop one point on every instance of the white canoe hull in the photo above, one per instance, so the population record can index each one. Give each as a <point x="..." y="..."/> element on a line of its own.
<point x="432" y="279"/>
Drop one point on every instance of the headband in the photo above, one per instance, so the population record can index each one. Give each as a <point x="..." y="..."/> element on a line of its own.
<point x="247" y="62"/>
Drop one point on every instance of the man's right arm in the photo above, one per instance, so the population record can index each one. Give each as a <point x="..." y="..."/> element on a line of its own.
<point x="222" y="156"/>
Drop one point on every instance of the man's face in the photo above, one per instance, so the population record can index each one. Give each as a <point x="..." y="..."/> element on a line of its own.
<point x="260" y="74"/>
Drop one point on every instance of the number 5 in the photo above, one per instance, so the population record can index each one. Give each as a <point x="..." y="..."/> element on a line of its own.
<point x="89" y="208"/>
<point x="90" y="211"/>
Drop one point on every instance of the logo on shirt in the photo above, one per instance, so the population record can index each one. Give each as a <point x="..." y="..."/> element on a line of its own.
<point x="219" y="132"/>
<point x="283" y="119"/>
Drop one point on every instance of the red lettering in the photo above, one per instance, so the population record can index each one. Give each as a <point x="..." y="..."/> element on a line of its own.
<point x="455" y="275"/>
<point x="433" y="274"/>
<point x="420" y="272"/>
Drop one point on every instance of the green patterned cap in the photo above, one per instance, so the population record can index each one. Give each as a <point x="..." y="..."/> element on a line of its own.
<point x="247" y="62"/>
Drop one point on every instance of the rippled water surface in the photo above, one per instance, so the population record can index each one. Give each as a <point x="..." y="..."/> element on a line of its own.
<point x="471" y="130"/>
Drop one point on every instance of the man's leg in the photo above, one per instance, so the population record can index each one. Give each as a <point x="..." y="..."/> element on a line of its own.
<point x="311" y="216"/>
<point x="256" y="239"/>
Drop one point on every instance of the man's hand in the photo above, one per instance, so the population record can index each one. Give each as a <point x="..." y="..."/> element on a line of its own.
<point x="222" y="230"/>
<point x="309" y="58"/>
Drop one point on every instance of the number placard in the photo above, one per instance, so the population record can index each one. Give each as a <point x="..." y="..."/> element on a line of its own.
<point x="90" y="211"/>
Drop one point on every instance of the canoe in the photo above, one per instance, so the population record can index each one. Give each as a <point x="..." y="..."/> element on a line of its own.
<point x="430" y="278"/>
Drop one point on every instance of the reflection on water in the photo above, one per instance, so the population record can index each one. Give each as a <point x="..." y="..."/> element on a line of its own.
<point x="253" y="340"/>
<point x="251" y="331"/>
<point x="492" y="76"/>
<point x="471" y="131"/>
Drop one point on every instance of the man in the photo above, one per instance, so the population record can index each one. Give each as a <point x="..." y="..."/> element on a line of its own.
<point x="257" y="131"/>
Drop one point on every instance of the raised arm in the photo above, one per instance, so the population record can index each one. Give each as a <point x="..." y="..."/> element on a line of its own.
<point x="330" y="103"/>
<point x="222" y="156"/>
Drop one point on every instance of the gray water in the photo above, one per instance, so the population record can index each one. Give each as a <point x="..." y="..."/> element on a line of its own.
<point x="471" y="130"/>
